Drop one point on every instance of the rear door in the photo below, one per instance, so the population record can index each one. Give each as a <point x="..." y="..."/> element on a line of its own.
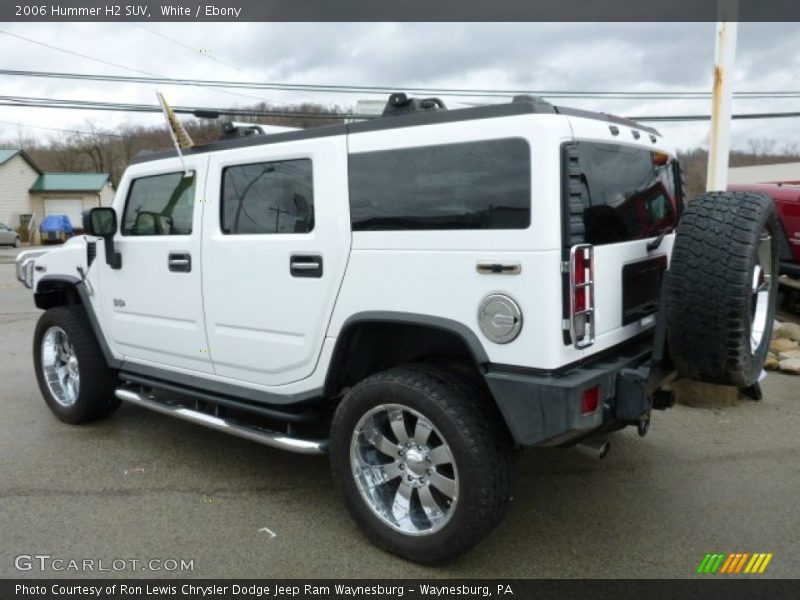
<point x="628" y="197"/>
<point x="153" y="303"/>
<point x="277" y="238"/>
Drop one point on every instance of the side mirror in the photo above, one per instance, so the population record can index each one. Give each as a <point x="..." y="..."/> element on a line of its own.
<point x="102" y="222"/>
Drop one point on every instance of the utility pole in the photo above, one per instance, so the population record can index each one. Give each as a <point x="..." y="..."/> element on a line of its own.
<point x="691" y="392"/>
<point x="722" y="99"/>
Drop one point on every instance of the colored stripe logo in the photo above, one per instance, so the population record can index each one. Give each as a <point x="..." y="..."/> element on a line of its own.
<point x="734" y="563"/>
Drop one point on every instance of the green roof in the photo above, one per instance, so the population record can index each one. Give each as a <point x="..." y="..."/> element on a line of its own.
<point x="70" y="182"/>
<point x="7" y="155"/>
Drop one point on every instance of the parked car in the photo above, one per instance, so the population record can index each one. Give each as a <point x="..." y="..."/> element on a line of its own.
<point x="418" y="296"/>
<point x="8" y="236"/>
<point x="55" y="229"/>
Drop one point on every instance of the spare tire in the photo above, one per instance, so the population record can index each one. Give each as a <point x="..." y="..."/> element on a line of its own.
<point x="722" y="288"/>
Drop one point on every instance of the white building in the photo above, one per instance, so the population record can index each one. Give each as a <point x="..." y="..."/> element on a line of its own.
<point x="26" y="190"/>
<point x="781" y="172"/>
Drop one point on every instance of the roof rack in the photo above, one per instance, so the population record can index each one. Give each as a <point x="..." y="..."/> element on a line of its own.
<point x="414" y="111"/>
<point x="232" y="130"/>
<point x="401" y="104"/>
<point x="540" y="105"/>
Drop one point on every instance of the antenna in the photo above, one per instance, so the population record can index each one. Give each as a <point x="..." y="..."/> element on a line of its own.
<point x="180" y="138"/>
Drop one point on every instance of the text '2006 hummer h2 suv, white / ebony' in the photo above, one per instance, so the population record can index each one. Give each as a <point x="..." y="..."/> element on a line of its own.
<point x="418" y="295"/>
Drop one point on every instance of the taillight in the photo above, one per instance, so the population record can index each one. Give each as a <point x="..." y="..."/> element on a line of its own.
<point x="579" y="281"/>
<point x="581" y="291"/>
<point x="660" y="158"/>
<point x="590" y="400"/>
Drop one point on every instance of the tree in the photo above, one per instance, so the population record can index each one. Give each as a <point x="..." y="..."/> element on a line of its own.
<point x="761" y="146"/>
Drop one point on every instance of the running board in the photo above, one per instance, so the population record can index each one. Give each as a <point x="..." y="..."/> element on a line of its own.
<point x="252" y="433"/>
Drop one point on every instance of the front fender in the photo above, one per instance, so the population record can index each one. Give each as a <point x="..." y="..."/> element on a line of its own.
<point x="68" y="261"/>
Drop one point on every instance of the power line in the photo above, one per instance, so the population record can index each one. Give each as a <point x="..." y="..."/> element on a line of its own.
<point x="187" y="47"/>
<point x="65" y="104"/>
<point x="151" y="76"/>
<point x="78" y="54"/>
<point x="100" y="133"/>
<point x="742" y="116"/>
<point x="56" y="103"/>
<point x="364" y="89"/>
<point x="202" y="54"/>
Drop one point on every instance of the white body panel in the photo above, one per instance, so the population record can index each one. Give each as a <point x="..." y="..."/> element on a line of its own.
<point x="158" y="314"/>
<point x="445" y="283"/>
<point x="264" y="325"/>
<point x="608" y="291"/>
<point x="434" y="272"/>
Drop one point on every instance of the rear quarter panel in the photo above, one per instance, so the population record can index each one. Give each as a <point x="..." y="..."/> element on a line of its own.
<point x="434" y="272"/>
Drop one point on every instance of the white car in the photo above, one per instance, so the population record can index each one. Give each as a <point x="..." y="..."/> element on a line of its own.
<point x="418" y="295"/>
<point x="9" y="237"/>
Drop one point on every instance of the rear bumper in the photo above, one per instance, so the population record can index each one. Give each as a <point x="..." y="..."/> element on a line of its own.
<point x="544" y="409"/>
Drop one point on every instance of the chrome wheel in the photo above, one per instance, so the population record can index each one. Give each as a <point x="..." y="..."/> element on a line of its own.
<point x="760" y="290"/>
<point x="60" y="366"/>
<point x="404" y="469"/>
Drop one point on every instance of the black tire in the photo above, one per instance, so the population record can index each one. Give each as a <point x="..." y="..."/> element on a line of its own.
<point x="95" y="397"/>
<point x="710" y="295"/>
<point x="480" y="445"/>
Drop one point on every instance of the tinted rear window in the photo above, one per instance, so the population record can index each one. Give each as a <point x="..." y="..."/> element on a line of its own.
<point x="626" y="193"/>
<point x="473" y="185"/>
<point x="270" y="197"/>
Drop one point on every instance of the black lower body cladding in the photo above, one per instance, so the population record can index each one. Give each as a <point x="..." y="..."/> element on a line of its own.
<point x="544" y="409"/>
<point x="722" y="288"/>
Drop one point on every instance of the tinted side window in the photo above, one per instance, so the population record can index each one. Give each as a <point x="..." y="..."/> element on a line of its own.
<point x="271" y="197"/>
<point x="473" y="185"/>
<point x="160" y="205"/>
<point x="628" y="193"/>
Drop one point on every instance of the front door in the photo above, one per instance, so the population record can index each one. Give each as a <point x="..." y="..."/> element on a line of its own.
<point x="153" y="303"/>
<point x="276" y="242"/>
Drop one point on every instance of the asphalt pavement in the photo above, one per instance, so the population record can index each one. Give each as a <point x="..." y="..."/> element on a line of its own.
<point x="141" y="486"/>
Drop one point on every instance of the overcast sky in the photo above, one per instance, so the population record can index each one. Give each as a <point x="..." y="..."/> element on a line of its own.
<point x="554" y="56"/>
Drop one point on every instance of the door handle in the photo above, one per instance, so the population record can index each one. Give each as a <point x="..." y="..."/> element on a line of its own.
<point x="499" y="269"/>
<point x="305" y="265"/>
<point x="180" y="262"/>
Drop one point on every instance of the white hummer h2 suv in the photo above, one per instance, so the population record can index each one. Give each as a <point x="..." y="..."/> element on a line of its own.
<point x="418" y="295"/>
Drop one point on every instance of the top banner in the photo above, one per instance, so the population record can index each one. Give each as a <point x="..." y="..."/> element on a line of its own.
<point x="402" y="10"/>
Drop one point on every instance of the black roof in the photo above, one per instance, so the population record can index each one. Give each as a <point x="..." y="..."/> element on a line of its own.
<point x="522" y="105"/>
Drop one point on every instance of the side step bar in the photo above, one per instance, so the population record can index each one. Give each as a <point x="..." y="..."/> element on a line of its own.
<point x="252" y="433"/>
<point x="304" y="416"/>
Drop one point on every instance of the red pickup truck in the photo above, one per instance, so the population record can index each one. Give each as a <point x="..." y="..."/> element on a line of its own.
<point x="786" y="196"/>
